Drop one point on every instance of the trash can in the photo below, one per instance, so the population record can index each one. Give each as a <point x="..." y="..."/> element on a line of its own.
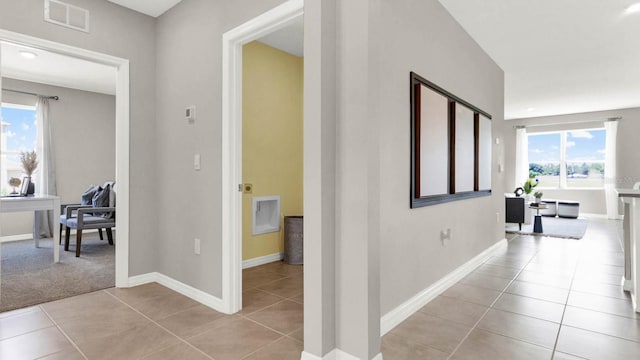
<point x="293" y="241"/>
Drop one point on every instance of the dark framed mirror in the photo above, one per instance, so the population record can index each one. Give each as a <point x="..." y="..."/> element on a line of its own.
<point x="450" y="146"/>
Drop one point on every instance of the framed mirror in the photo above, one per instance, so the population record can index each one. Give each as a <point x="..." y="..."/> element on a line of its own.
<point x="450" y="146"/>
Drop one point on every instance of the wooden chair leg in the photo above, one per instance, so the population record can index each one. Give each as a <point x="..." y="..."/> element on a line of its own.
<point x="110" y="236"/>
<point x="100" y="233"/>
<point x="67" y="235"/>
<point x="78" y="241"/>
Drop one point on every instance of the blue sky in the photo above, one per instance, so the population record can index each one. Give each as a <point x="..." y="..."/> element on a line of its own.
<point x="21" y="134"/>
<point x="582" y="146"/>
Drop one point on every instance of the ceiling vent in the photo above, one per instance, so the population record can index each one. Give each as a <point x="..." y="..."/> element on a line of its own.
<point x="60" y="13"/>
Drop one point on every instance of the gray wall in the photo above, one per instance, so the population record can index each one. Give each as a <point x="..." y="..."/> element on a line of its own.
<point x="83" y="136"/>
<point x="422" y="36"/>
<point x="628" y="157"/>
<point x="119" y="32"/>
<point x="189" y="72"/>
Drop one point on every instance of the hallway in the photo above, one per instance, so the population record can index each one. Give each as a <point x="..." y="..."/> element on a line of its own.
<point x="543" y="298"/>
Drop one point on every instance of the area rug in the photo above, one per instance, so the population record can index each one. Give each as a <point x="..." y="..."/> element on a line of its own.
<point x="554" y="227"/>
<point x="30" y="277"/>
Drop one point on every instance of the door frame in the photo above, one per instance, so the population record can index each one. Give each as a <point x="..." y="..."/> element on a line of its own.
<point x="232" y="42"/>
<point x="122" y="134"/>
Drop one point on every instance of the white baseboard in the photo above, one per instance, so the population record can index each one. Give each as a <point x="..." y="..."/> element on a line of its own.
<point x="182" y="288"/>
<point x="29" y="236"/>
<point x="18" y="237"/>
<point x="394" y="317"/>
<point x="600" y="216"/>
<point x="335" y="354"/>
<point x="257" y="261"/>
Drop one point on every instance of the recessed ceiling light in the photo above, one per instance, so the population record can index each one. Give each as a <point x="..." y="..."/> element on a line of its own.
<point x="28" y="54"/>
<point x="632" y="8"/>
<point x="530" y="109"/>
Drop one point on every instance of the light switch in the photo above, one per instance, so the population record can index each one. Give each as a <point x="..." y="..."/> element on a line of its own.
<point x="190" y="113"/>
<point x="196" y="162"/>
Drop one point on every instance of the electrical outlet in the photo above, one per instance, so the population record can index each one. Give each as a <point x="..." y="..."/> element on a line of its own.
<point x="196" y="246"/>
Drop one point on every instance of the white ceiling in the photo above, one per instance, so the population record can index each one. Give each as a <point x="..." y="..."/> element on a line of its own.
<point x="559" y="57"/>
<point x="288" y="39"/>
<point x="58" y="70"/>
<point x="153" y="8"/>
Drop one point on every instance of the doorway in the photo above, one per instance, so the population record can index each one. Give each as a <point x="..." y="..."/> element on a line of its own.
<point x="121" y="134"/>
<point x="276" y="19"/>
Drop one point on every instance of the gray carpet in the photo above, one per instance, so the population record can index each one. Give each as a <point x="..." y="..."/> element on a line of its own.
<point x="30" y="277"/>
<point x="554" y="227"/>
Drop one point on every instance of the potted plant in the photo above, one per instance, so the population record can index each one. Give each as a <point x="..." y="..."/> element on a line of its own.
<point x="529" y="185"/>
<point x="29" y="160"/>
<point x="538" y="196"/>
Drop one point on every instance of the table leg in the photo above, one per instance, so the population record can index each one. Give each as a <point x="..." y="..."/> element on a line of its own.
<point x="36" y="229"/>
<point x="537" y="224"/>
<point x="56" y="233"/>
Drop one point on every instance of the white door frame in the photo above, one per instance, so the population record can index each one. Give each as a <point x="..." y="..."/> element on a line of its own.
<point x="232" y="42"/>
<point x="122" y="134"/>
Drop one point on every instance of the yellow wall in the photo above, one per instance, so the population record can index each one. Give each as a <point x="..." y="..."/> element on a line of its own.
<point x="271" y="139"/>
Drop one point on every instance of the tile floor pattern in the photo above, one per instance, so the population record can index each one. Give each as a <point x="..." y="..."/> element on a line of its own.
<point x="152" y="322"/>
<point x="542" y="298"/>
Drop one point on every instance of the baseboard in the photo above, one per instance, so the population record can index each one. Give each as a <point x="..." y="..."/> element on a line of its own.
<point x="394" y="317"/>
<point x="257" y="261"/>
<point x="29" y="236"/>
<point x="600" y="216"/>
<point x="182" y="288"/>
<point x="335" y="354"/>
<point x="18" y="237"/>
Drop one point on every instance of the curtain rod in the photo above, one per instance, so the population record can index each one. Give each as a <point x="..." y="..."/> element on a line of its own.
<point x="54" y="97"/>
<point x="616" y="118"/>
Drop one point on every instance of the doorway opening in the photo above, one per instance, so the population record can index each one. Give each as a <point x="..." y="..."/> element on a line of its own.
<point x="121" y="73"/>
<point x="287" y="15"/>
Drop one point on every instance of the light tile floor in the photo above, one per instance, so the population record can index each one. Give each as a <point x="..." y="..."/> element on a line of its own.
<point x="153" y="322"/>
<point x="542" y="298"/>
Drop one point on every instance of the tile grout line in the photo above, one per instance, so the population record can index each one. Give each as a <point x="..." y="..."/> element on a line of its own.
<point x="475" y="326"/>
<point x="64" y="333"/>
<point x="162" y="327"/>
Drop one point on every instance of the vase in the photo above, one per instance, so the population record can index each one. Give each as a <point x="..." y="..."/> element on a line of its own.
<point x="31" y="189"/>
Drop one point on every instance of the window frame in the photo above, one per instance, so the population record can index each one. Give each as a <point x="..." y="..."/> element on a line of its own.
<point x="563" y="185"/>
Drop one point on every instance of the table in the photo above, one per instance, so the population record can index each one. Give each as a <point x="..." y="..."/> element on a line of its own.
<point x="35" y="203"/>
<point x="537" y="222"/>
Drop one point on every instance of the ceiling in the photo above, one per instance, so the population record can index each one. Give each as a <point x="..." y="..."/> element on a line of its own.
<point x="153" y="8"/>
<point x="288" y="39"/>
<point x="58" y="70"/>
<point x="559" y="57"/>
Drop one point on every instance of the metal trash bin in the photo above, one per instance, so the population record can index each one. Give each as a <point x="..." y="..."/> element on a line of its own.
<point x="293" y="240"/>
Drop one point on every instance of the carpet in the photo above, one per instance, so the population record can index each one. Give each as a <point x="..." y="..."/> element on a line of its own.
<point x="554" y="227"/>
<point x="30" y="277"/>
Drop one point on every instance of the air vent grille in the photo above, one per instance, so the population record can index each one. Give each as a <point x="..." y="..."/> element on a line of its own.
<point x="67" y="15"/>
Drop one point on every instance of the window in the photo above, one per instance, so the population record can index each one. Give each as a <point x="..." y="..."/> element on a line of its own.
<point x="575" y="158"/>
<point x="18" y="134"/>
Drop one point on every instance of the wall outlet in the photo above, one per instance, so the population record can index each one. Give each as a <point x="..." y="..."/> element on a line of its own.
<point x="196" y="246"/>
<point x="445" y="236"/>
<point x="196" y="162"/>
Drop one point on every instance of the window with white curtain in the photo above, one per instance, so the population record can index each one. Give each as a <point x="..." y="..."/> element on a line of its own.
<point x="18" y="134"/>
<point x="573" y="159"/>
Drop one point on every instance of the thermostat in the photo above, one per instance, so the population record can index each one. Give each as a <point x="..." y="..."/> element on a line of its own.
<point x="190" y="113"/>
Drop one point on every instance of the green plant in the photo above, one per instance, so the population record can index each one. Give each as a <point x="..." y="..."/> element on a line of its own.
<point x="529" y="185"/>
<point x="29" y="161"/>
<point x="538" y="194"/>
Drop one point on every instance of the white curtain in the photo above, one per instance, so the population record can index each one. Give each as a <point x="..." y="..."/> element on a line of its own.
<point x="610" y="158"/>
<point x="45" y="174"/>
<point x="522" y="157"/>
